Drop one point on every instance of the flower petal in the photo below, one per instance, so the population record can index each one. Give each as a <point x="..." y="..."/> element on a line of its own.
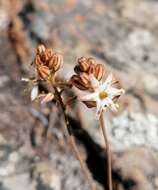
<point x="99" y="110"/>
<point x="114" y="91"/>
<point x="34" y="93"/>
<point x="89" y="97"/>
<point x="94" y="82"/>
<point x="25" y="79"/>
<point x="111" y="105"/>
<point x="47" y="98"/>
<point x="107" y="82"/>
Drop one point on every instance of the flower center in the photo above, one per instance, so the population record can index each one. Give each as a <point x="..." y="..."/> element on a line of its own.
<point x="103" y="95"/>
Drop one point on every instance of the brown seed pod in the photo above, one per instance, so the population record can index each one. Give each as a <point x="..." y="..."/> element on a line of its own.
<point x="37" y="60"/>
<point x="84" y="79"/>
<point x="76" y="81"/>
<point x="99" y="71"/>
<point x="91" y="61"/>
<point x="81" y="59"/>
<point x="43" y="72"/>
<point x="77" y="69"/>
<point x="55" y="62"/>
<point x="91" y="69"/>
<point x="83" y="64"/>
<point x="49" y="53"/>
<point x="40" y="49"/>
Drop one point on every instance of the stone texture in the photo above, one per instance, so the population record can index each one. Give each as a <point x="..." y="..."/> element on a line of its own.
<point x="137" y="168"/>
<point x="120" y="34"/>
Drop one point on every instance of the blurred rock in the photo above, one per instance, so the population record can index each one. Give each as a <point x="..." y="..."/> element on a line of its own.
<point x="134" y="129"/>
<point x="120" y="34"/>
<point x="142" y="12"/>
<point x="46" y="177"/>
<point x="18" y="182"/>
<point x="137" y="169"/>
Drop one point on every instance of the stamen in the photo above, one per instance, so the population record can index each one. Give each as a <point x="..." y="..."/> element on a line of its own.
<point x="103" y="95"/>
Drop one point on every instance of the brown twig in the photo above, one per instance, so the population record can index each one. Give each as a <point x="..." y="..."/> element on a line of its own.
<point x="72" y="140"/>
<point x="107" y="151"/>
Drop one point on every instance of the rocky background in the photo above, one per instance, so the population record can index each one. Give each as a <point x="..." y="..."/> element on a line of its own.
<point x="123" y="35"/>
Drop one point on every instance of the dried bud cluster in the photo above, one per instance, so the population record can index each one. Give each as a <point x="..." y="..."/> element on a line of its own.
<point x="47" y="61"/>
<point x="83" y="69"/>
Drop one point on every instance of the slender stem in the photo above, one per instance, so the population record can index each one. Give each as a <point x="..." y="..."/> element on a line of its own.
<point x="107" y="151"/>
<point x="72" y="140"/>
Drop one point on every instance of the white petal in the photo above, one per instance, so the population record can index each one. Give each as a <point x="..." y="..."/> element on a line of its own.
<point x="25" y="79"/>
<point x="114" y="91"/>
<point x="89" y="97"/>
<point x="99" y="110"/>
<point x="112" y="105"/>
<point x="105" y="102"/>
<point x="34" y="93"/>
<point x="94" y="82"/>
<point x="107" y="82"/>
<point x="47" y="98"/>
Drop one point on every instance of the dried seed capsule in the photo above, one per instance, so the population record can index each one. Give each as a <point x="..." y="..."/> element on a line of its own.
<point x="83" y="64"/>
<point x="99" y="71"/>
<point x="84" y="79"/>
<point x="37" y="60"/>
<point x="82" y="59"/>
<point x="55" y="62"/>
<point x="91" y="69"/>
<point x="77" y="69"/>
<point x="49" y="53"/>
<point x="43" y="72"/>
<point x="76" y="81"/>
<point x="91" y="61"/>
<point x="47" y="56"/>
<point x="40" y="49"/>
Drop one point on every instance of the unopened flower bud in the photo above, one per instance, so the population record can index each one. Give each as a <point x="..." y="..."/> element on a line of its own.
<point x="55" y="62"/>
<point x="83" y="64"/>
<point x="99" y="71"/>
<point x="43" y="72"/>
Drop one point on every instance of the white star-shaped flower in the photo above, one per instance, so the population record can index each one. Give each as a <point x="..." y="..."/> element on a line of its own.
<point x="104" y="94"/>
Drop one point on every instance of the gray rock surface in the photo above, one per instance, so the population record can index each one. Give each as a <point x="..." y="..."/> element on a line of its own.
<point x="134" y="129"/>
<point x="120" y="34"/>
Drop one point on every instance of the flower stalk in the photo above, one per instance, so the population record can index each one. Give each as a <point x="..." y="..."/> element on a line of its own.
<point x="72" y="140"/>
<point x="107" y="152"/>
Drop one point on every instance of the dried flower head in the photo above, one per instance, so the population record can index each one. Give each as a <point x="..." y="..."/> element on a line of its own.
<point x="99" y="71"/>
<point x="55" y="62"/>
<point x="81" y="81"/>
<point x="43" y="72"/>
<point x="85" y="68"/>
<point x="83" y="64"/>
<point x="47" y="61"/>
